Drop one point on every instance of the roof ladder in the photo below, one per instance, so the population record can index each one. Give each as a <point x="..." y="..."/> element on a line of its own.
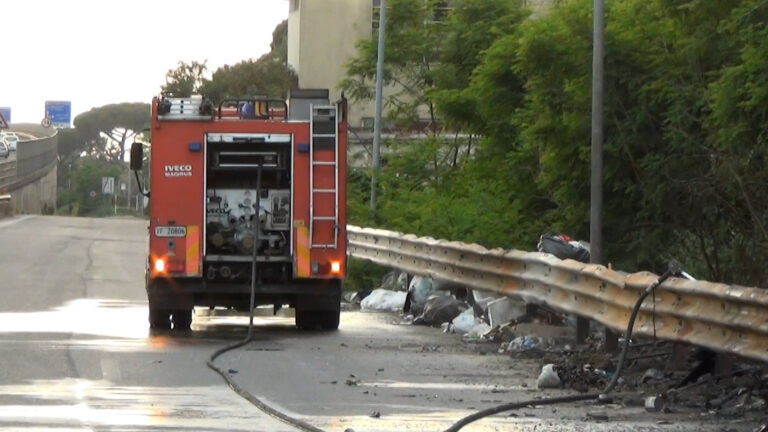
<point x="323" y="136"/>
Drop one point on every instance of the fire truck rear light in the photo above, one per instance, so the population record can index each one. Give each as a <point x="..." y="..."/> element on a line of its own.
<point x="159" y="265"/>
<point x="335" y="267"/>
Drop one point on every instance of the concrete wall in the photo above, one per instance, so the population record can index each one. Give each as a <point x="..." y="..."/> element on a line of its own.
<point x="32" y="197"/>
<point x="35" y="184"/>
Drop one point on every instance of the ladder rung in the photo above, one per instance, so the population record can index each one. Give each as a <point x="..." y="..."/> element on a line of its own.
<point x="324" y="135"/>
<point x="324" y="218"/>
<point x="323" y="163"/>
<point x="323" y="190"/>
<point x="325" y="246"/>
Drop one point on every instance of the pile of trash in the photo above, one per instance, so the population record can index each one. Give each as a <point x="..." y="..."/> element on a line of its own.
<point x="522" y="330"/>
<point x="477" y="316"/>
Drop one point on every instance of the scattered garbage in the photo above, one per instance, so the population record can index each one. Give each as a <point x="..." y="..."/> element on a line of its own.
<point x="418" y="292"/>
<point x="465" y="321"/>
<point x="504" y="310"/>
<point x="652" y="375"/>
<point x="477" y="332"/>
<point x="548" y="377"/>
<point x="381" y="299"/>
<point x="457" y="290"/>
<point x="439" y="309"/>
<point x="563" y="247"/>
<point x="522" y="343"/>
<point x="654" y="403"/>
<point x="355" y="297"/>
<point x="375" y="414"/>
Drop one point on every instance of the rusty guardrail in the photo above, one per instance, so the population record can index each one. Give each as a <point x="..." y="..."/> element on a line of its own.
<point x="726" y="318"/>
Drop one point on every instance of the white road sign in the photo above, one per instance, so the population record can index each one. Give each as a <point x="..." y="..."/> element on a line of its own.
<point x="108" y="185"/>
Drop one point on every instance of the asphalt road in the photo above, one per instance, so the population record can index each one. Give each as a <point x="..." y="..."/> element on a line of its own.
<point x="77" y="355"/>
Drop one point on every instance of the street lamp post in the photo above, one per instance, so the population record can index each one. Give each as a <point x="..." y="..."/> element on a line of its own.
<point x="376" y="157"/>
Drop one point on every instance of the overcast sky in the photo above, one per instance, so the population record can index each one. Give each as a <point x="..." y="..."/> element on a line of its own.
<point x="96" y="52"/>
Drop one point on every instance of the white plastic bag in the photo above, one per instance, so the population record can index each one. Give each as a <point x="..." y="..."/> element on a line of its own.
<point x="479" y="330"/>
<point x="548" y="377"/>
<point x="464" y="322"/>
<point x="381" y="299"/>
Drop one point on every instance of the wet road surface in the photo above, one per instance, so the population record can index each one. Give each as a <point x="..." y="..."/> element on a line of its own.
<point x="77" y="355"/>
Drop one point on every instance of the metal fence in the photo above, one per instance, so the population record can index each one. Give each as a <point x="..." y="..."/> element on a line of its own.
<point x="726" y="318"/>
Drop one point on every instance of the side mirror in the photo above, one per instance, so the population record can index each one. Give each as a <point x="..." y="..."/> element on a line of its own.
<point x="137" y="156"/>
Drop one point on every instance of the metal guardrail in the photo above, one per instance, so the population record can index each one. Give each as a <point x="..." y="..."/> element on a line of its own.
<point x="726" y="318"/>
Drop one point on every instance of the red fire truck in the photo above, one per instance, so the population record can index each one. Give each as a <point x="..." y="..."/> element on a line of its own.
<point x="247" y="191"/>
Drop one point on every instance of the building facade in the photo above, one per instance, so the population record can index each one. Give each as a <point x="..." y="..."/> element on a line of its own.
<point x="322" y="35"/>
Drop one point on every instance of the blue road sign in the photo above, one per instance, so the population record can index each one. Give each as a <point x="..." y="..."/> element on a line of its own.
<point x="59" y="112"/>
<point x="6" y="112"/>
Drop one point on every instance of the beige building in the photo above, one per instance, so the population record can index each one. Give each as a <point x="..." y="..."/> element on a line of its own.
<point x="321" y="38"/>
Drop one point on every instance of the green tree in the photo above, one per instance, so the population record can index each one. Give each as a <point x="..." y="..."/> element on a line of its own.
<point x="185" y="80"/>
<point x="269" y="75"/>
<point x="412" y="42"/>
<point x="106" y="129"/>
<point x="86" y="195"/>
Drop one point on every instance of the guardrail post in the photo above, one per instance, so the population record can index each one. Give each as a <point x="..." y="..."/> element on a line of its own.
<point x="679" y="355"/>
<point x="582" y="330"/>
<point x="723" y="363"/>
<point x="611" y="341"/>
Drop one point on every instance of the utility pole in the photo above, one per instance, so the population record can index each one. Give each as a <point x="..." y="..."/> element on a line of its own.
<point x="596" y="177"/>
<point x="376" y="159"/>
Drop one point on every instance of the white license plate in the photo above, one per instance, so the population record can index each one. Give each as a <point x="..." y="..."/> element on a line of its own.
<point x="170" y="231"/>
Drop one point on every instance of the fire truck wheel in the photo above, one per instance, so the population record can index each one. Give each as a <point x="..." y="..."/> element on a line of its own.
<point x="306" y="319"/>
<point x="159" y="318"/>
<point x="182" y="319"/>
<point x="329" y="319"/>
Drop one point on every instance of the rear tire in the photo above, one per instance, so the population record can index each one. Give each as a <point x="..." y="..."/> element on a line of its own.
<point x="329" y="319"/>
<point x="159" y="319"/>
<point x="182" y="319"/>
<point x="306" y="319"/>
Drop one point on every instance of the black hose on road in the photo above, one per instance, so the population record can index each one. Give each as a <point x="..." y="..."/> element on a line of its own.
<point x="245" y="394"/>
